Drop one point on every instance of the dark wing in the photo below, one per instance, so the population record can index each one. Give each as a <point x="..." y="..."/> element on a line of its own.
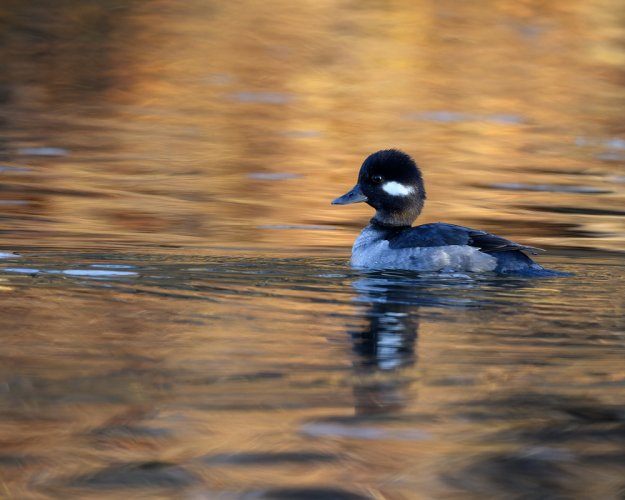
<point x="491" y="243"/>
<point x="440" y="234"/>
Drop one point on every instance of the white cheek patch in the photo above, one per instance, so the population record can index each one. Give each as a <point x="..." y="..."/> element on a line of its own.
<point x="396" y="189"/>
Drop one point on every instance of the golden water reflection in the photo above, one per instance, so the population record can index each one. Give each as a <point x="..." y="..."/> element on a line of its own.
<point x="166" y="113"/>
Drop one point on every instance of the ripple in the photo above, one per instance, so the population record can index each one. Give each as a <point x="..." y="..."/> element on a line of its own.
<point x="325" y="429"/>
<point x="136" y="475"/>
<point x="15" y="202"/>
<point x="96" y="273"/>
<point x="92" y="273"/>
<point x="459" y="117"/>
<point x="220" y="79"/>
<point x="577" y="210"/>
<point x="14" y="170"/>
<point x="549" y="188"/>
<point x="273" y="176"/>
<point x="262" y="97"/>
<point x="612" y="143"/>
<point x="130" y="432"/>
<point x="301" y="134"/>
<point x="21" y="270"/>
<point x="17" y="460"/>
<point x="43" y="151"/>
<point x="610" y="156"/>
<point x="297" y="226"/>
<point x="113" y="266"/>
<point x="269" y="458"/>
<point x="304" y="494"/>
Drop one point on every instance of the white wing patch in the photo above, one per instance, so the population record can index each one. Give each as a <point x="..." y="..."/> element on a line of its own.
<point x="396" y="189"/>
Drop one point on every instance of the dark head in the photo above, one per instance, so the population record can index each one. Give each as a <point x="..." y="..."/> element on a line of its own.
<point x="390" y="182"/>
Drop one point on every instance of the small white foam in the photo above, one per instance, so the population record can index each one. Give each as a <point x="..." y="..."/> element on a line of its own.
<point x="21" y="270"/>
<point x="97" y="273"/>
<point x="396" y="189"/>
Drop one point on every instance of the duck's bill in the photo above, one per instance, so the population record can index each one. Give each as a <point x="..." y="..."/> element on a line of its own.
<point x="354" y="196"/>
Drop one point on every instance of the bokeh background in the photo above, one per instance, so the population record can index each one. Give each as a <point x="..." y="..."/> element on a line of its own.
<point x="234" y="123"/>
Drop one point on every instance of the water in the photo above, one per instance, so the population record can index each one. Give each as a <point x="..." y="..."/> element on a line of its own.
<point x="220" y="376"/>
<point x="179" y="318"/>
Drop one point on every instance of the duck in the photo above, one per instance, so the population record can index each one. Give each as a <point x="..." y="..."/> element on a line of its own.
<point x="391" y="182"/>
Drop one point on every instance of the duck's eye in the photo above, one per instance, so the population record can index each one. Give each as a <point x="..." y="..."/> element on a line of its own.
<point x="376" y="179"/>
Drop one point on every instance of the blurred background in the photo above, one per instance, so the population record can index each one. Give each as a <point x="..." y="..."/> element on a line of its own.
<point x="182" y="321"/>
<point x="212" y="123"/>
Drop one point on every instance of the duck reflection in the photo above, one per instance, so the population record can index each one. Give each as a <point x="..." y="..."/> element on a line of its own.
<point x="387" y="342"/>
<point x="386" y="346"/>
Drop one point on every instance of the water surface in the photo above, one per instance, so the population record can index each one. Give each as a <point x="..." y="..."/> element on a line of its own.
<point x="179" y="318"/>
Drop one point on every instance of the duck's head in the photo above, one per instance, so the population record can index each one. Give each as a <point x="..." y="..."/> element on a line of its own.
<point x="390" y="182"/>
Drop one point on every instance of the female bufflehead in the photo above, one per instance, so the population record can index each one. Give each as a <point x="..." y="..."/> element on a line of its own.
<point x="391" y="182"/>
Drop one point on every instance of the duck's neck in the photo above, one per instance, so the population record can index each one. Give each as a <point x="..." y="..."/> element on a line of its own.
<point x="385" y="226"/>
<point x="396" y="218"/>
